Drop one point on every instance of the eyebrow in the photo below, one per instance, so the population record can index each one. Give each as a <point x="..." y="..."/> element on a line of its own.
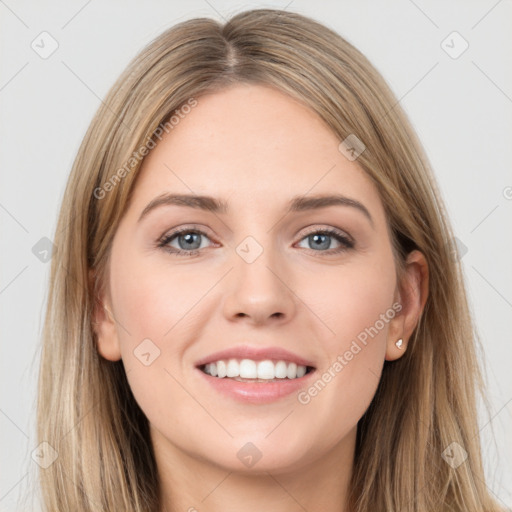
<point x="296" y="204"/>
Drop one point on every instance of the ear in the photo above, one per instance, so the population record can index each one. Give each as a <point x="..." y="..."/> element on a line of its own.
<point x="103" y="324"/>
<point x="411" y="293"/>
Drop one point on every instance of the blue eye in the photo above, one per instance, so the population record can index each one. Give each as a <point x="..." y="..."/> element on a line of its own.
<point x="189" y="241"/>
<point x="187" y="238"/>
<point x="320" y="239"/>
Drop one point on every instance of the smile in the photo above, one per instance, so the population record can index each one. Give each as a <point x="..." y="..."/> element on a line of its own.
<point x="249" y="370"/>
<point x="253" y="374"/>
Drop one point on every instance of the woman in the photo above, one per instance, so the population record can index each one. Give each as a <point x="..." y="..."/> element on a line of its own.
<point x="314" y="351"/>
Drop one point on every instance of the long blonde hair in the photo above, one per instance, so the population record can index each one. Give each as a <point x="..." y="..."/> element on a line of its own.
<point x="425" y="401"/>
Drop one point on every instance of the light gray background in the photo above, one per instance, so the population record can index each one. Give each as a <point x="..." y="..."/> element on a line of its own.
<point x="461" y="108"/>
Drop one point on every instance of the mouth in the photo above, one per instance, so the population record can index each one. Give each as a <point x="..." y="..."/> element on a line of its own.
<point x="252" y="371"/>
<point x="256" y="375"/>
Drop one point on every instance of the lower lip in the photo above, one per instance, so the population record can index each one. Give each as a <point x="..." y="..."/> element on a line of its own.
<point x="257" y="392"/>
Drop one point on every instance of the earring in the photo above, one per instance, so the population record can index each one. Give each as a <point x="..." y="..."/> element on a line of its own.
<point x="399" y="343"/>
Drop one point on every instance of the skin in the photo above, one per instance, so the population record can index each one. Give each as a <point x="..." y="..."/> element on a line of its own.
<point x="254" y="147"/>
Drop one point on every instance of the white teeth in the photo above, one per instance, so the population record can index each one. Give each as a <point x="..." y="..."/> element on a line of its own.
<point x="266" y="370"/>
<point x="291" y="371"/>
<point x="281" y="370"/>
<point x="249" y="369"/>
<point x="221" y="368"/>
<point x="233" y="368"/>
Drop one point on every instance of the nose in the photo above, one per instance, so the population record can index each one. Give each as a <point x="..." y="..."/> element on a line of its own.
<point x="260" y="291"/>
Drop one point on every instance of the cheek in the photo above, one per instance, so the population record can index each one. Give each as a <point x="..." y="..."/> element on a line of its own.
<point x="159" y="309"/>
<point x="357" y="307"/>
<point x="353" y="298"/>
<point x="151" y="305"/>
<point x="152" y="299"/>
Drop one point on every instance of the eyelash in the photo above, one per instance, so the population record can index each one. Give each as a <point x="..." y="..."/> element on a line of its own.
<point x="346" y="243"/>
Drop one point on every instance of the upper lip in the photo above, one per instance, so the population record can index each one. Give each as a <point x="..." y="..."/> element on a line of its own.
<point x="256" y="354"/>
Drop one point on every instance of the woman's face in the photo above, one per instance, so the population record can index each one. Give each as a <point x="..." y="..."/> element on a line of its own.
<point x="264" y="278"/>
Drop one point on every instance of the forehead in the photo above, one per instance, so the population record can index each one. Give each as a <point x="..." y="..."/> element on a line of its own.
<point x="255" y="145"/>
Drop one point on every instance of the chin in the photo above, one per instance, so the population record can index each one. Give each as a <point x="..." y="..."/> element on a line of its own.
<point x="262" y="456"/>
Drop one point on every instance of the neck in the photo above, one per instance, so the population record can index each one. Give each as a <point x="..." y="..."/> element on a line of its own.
<point x="196" y="485"/>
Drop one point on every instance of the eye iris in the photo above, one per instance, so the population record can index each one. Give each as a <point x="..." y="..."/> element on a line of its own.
<point x="316" y="237"/>
<point x="189" y="239"/>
